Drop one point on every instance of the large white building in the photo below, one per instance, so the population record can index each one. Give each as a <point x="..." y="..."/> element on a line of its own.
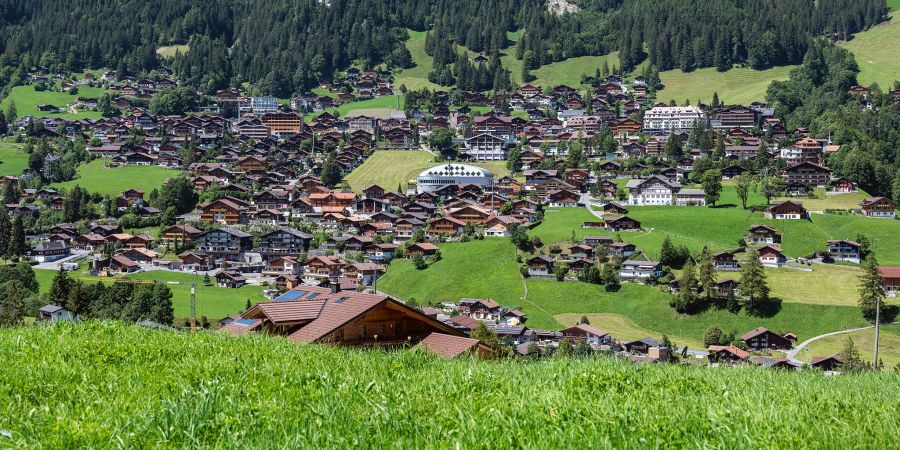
<point x="437" y="177"/>
<point x="672" y="118"/>
<point x="657" y="190"/>
<point x="262" y="105"/>
<point x="486" y="147"/>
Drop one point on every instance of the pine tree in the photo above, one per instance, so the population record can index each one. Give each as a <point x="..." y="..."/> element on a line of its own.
<point x="668" y="255"/>
<point x="61" y="287"/>
<point x="11" y="112"/>
<point x="706" y="275"/>
<point x="686" y="299"/>
<point x="870" y="293"/>
<point x="753" y="282"/>
<point x="12" y="304"/>
<point x="5" y="232"/>
<point x="732" y="304"/>
<point x="18" y="246"/>
<point x="610" y="278"/>
<point x="850" y="358"/>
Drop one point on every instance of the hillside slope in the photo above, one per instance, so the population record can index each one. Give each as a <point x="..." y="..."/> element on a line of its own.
<point x="113" y="385"/>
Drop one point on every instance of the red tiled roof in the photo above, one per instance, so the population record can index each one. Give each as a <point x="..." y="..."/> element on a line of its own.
<point x="447" y="346"/>
<point x="289" y="312"/>
<point x="730" y="349"/>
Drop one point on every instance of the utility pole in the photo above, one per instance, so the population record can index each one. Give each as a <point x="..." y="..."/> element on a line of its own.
<point x="193" y="286"/>
<point x="877" y="320"/>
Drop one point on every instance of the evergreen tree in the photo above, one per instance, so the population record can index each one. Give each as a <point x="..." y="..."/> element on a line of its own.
<point x="713" y="336"/>
<point x="486" y="335"/>
<point x="706" y="275"/>
<point x="11" y="112"/>
<point x="668" y="255"/>
<point x="686" y="299"/>
<point x="5" y="232"/>
<point x="12" y="305"/>
<point x="870" y="293"/>
<point x="674" y="148"/>
<point x="18" y="245"/>
<point x="732" y="304"/>
<point x="60" y="288"/>
<point x="331" y="171"/>
<point x="753" y="281"/>
<point x="610" y="278"/>
<point x="719" y="150"/>
<point x="419" y="262"/>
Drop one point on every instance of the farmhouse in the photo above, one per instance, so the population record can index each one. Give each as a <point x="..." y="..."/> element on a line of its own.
<point x="724" y="261"/>
<point x="844" y="250"/>
<point x="787" y="209"/>
<point x="881" y="207"/>
<point x="763" y="234"/>
<point x="807" y="174"/>
<point x="771" y="256"/>
<point x="890" y="280"/>
<point x="586" y="333"/>
<point x="762" y="339"/>
<point x="727" y="354"/>
<point x="632" y="269"/>
<point x="49" y="251"/>
<point x="621" y="223"/>
<point x="540" y="266"/>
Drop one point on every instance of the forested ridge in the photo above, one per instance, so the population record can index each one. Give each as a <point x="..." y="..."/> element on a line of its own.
<point x="286" y="46"/>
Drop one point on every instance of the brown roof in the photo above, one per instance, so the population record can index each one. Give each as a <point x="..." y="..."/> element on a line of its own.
<point x="730" y="349"/>
<point x="754" y="333"/>
<point x="819" y="359"/>
<point x="464" y="321"/>
<point x="280" y="313"/>
<point x="589" y="329"/>
<point x="447" y="346"/>
<point x="889" y="271"/>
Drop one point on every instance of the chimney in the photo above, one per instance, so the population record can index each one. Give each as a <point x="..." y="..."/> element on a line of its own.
<point x="335" y="285"/>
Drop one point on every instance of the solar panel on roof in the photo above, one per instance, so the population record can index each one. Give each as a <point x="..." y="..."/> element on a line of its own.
<point x="291" y="295"/>
<point x="313" y="295"/>
<point x="245" y="322"/>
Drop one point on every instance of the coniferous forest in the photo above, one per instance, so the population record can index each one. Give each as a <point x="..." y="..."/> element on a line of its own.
<point x="286" y="46"/>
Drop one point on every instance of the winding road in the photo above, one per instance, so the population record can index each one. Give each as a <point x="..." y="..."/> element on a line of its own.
<point x="793" y="353"/>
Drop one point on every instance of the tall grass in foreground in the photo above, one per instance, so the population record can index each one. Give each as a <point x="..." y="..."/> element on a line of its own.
<point x="107" y="385"/>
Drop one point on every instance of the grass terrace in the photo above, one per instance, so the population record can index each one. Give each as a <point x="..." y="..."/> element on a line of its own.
<point x="113" y="181"/>
<point x="416" y="77"/>
<point x="388" y="168"/>
<point x="103" y="384"/>
<point x="213" y="302"/>
<point x="735" y="86"/>
<point x="12" y="159"/>
<point x="27" y="101"/>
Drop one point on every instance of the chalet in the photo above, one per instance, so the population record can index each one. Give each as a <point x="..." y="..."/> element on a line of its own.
<point x="787" y="209"/>
<point x="732" y="171"/>
<point x="621" y="250"/>
<point x="597" y="240"/>
<point x="196" y="262"/>
<point x="724" y="261"/>
<point x="844" y="250"/>
<point x="230" y="279"/>
<point x="727" y="354"/>
<point x="538" y="176"/>
<point x="50" y="251"/>
<point x="881" y="207"/>
<point x="284" y="265"/>
<point x="481" y="309"/>
<point x="284" y="241"/>
<point x="118" y="264"/>
<point x="561" y="198"/>
<point x="324" y="266"/>
<point x="621" y="223"/>
<point x="373" y="191"/>
<point x="641" y="346"/>
<point x="808" y="174"/>
<point x="890" y="280"/>
<point x="770" y="255"/>
<point x="448" y="347"/>
<point x="182" y="234"/>
<point x="632" y="269"/>
<point x="827" y="363"/>
<point x="842" y="184"/>
<point x="224" y="243"/>
<point x="224" y="211"/>
<point x="90" y="242"/>
<point x="595" y="337"/>
<point x="140" y="255"/>
<point x="614" y="208"/>
<point x="727" y="287"/>
<point x="762" y="339"/>
<point x="763" y="234"/>
<point x="445" y="225"/>
<point x="498" y="226"/>
<point x="540" y="266"/>
<point x="404" y="228"/>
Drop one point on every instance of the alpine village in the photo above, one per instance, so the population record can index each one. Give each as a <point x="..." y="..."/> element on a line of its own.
<point x="466" y="203"/>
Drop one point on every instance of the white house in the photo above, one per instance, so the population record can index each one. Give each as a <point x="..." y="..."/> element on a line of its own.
<point x="486" y="147"/>
<point x="640" y="269"/>
<point x="672" y="118"/>
<point x="53" y="313"/>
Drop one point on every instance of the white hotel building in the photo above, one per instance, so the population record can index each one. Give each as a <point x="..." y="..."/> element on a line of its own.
<point x="437" y="177"/>
<point x="672" y="118"/>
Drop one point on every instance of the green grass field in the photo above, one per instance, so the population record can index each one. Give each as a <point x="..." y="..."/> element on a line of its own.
<point x="213" y="302"/>
<point x="169" y="51"/>
<point x="621" y="327"/>
<point x="100" y="385"/>
<point x="113" y="181"/>
<point x="551" y="304"/>
<point x="27" y="101"/>
<point x="416" y="78"/>
<point x="876" y="52"/>
<point x="888" y="345"/>
<point x="12" y="159"/>
<point x="388" y="168"/>
<point x="568" y="71"/>
<point x="373" y="107"/>
<point x="823" y="201"/>
<point x="736" y="86"/>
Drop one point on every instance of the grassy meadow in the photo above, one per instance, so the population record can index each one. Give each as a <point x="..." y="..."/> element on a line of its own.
<point x="388" y="168"/>
<point x="375" y="107"/>
<point x="416" y="77"/>
<point x="27" y="101"/>
<point x="876" y="52"/>
<point x="113" y="181"/>
<point x="213" y="302"/>
<point x="735" y="86"/>
<point x="169" y="51"/>
<point x="888" y="345"/>
<point x="12" y="159"/>
<point x="103" y="384"/>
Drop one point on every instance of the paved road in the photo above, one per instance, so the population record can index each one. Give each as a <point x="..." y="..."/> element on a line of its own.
<point x="793" y="353"/>
<point x="54" y="265"/>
